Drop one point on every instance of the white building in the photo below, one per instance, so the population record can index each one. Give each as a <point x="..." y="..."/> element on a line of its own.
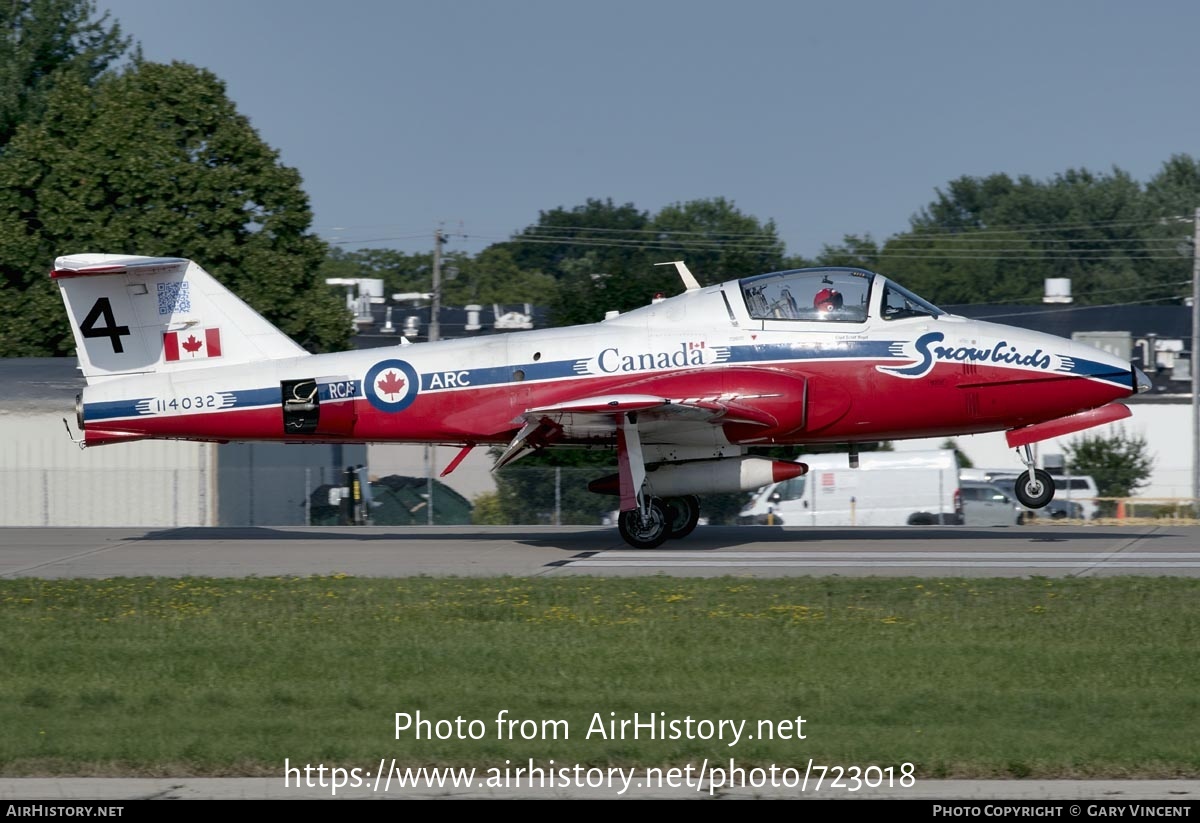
<point x="47" y="480"/>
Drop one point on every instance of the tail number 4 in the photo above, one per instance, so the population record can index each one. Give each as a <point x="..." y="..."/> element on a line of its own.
<point x="102" y="310"/>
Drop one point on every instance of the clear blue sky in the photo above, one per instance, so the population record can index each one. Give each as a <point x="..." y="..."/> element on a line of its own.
<point x="830" y="118"/>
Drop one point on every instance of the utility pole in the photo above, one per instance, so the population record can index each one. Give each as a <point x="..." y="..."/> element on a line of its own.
<point x="435" y="307"/>
<point x="435" y="300"/>
<point x="1195" y="364"/>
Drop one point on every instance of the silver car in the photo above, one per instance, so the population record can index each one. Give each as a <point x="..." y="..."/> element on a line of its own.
<point x="987" y="504"/>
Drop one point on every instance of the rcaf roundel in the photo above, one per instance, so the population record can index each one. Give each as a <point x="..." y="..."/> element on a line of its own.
<point x="391" y="385"/>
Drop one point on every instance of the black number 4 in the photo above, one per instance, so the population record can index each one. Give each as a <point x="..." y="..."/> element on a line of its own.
<point x="102" y="310"/>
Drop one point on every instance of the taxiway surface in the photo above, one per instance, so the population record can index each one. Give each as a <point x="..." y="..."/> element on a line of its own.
<point x="535" y="551"/>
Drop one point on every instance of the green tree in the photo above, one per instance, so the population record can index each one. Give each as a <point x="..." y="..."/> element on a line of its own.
<point x="1172" y="196"/>
<point x="996" y="239"/>
<point x="1117" y="462"/>
<point x="486" y="511"/>
<point x="399" y="271"/>
<point x="599" y="255"/>
<point x="156" y="160"/>
<point x="493" y="277"/>
<point x="609" y="231"/>
<point x="604" y="256"/>
<point x="1175" y="190"/>
<point x="528" y="489"/>
<point x="41" y="40"/>
<point x="717" y="241"/>
<point x="855" y="251"/>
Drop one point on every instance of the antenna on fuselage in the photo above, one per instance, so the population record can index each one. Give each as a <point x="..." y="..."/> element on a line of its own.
<point x="78" y="442"/>
<point x="689" y="280"/>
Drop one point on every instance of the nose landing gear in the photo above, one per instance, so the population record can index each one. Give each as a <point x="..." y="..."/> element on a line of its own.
<point x="1034" y="487"/>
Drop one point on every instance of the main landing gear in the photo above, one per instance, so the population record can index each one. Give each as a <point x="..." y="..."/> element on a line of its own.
<point x="646" y="521"/>
<point x="683" y="514"/>
<point x="659" y="519"/>
<point x="1034" y="487"/>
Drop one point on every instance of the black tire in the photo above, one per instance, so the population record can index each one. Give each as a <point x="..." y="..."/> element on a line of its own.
<point x="649" y="533"/>
<point x="683" y="513"/>
<point x="1036" y="490"/>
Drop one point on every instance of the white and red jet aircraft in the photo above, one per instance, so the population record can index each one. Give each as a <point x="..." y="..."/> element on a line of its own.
<point x="681" y="388"/>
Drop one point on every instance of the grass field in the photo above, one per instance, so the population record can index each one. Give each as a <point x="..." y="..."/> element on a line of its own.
<point x="985" y="678"/>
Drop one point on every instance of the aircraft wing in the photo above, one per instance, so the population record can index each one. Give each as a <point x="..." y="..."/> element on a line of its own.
<point x="597" y="417"/>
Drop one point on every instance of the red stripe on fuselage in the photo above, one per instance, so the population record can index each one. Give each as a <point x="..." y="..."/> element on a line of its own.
<point x="881" y="407"/>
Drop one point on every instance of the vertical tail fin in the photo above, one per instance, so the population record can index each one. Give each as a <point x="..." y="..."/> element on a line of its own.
<point x="135" y="315"/>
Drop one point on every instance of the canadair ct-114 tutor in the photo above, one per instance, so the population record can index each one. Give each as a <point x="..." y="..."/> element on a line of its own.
<point x="682" y="388"/>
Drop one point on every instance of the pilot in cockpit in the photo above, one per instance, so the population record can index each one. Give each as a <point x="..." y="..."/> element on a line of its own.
<point x="827" y="300"/>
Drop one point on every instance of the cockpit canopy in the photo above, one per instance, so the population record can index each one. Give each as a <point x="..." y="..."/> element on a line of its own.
<point x="838" y="295"/>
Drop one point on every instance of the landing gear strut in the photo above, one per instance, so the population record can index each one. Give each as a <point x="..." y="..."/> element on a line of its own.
<point x="645" y="521"/>
<point x="1035" y="487"/>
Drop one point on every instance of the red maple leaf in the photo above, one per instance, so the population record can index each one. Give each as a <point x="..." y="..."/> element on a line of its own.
<point x="192" y="344"/>
<point x="391" y="385"/>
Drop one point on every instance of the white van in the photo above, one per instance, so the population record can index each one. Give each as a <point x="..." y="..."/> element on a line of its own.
<point x="1079" y="489"/>
<point x="915" y="488"/>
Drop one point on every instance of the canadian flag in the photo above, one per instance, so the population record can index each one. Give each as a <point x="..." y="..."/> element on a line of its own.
<point x="193" y="344"/>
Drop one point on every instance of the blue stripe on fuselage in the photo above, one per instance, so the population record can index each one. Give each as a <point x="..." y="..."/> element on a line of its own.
<point x="566" y="369"/>
<point x="1101" y="371"/>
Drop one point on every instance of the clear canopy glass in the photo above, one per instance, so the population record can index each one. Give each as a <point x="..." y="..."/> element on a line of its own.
<point x="835" y="295"/>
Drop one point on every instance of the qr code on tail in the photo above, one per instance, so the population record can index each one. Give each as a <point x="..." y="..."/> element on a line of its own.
<point x="174" y="297"/>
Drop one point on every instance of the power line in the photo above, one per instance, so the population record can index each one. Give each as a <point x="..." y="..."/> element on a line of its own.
<point x="1041" y="312"/>
<point x="1029" y="228"/>
<point x="659" y="232"/>
<point x="1019" y="254"/>
<point x="1143" y="288"/>
<point x="968" y="244"/>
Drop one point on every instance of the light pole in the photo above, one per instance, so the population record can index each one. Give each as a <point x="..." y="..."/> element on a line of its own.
<point x="435" y="300"/>
<point x="1195" y="363"/>
<point x="435" y="307"/>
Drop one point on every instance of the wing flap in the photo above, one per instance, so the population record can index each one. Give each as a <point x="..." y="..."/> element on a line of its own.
<point x="600" y="416"/>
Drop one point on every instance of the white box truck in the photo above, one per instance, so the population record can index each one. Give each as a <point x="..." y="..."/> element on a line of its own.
<point x="913" y="488"/>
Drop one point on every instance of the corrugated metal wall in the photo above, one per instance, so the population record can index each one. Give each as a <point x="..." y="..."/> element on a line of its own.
<point x="46" y="480"/>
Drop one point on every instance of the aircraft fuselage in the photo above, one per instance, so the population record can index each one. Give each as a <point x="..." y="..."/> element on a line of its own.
<point x="810" y="381"/>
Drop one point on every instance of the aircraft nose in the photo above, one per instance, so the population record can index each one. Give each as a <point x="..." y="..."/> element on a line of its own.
<point x="1141" y="381"/>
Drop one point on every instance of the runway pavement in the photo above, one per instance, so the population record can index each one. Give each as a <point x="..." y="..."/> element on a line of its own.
<point x="530" y="551"/>
<point x="1050" y="551"/>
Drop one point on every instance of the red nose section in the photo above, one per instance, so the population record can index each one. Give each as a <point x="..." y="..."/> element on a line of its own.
<point x="781" y="471"/>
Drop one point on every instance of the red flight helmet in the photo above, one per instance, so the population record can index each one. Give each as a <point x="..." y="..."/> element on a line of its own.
<point x="827" y="300"/>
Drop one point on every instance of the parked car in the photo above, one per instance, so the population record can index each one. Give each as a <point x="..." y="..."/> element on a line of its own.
<point x="989" y="504"/>
<point x="1074" y="495"/>
<point x="1058" y="510"/>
